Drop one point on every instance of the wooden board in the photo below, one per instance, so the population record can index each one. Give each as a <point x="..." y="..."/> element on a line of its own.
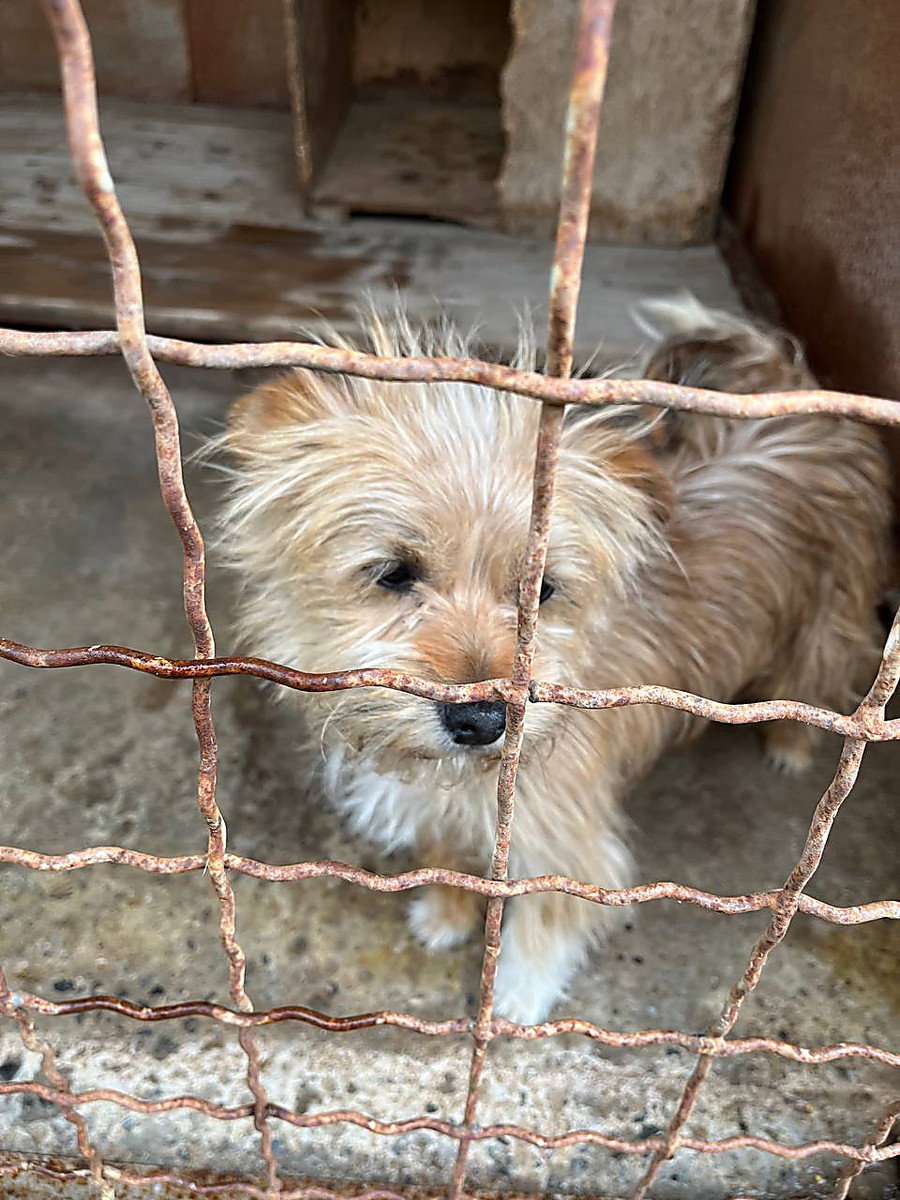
<point x="212" y="199"/>
<point x="401" y="153"/>
<point x="172" y="165"/>
<point x="259" y="284"/>
<point x="322" y="59"/>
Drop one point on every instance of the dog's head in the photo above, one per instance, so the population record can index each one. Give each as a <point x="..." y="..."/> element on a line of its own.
<point x="385" y="524"/>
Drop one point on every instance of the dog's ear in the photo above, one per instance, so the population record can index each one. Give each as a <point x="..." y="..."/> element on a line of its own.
<point x="726" y="359"/>
<point x="640" y="465"/>
<point x="629" y="446"/>
<point x="294" y="398"/>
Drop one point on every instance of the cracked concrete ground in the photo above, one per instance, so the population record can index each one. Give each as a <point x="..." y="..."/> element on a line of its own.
<point x="102" y="755"/>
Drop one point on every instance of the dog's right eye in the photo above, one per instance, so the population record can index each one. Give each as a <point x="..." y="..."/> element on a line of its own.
<point x="398" y="577"/>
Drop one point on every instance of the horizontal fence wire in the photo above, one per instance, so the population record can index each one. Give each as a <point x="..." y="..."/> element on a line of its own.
<point x="867" y="724"/>
<point x="858" y="914"/>
<point x="423" y="369"/>
<point x="696" y="1044"/>
<point x="554" y="390"/>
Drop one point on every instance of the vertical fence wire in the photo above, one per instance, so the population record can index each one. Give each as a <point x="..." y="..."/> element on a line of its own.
<point x="880" y="1136"/>
<point x="826" y="811"/>
<point x="92" y="172"/>
<point x="585" y="98"/>
<point x="37" y="1045"/>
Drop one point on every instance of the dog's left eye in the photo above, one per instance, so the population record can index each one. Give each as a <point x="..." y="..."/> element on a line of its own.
<point x="398" y="577"/>
<point x="547" y="590"/>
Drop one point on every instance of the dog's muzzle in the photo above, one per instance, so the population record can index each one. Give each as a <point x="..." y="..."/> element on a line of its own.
<point x="474" y="724"/>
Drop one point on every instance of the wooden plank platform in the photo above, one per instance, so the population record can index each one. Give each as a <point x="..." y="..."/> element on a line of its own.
<point x="227" y="252"/>
<point x="399" y="154"/>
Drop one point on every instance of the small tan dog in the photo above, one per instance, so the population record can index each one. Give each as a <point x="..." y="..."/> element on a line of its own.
<point x="384" y="524"/>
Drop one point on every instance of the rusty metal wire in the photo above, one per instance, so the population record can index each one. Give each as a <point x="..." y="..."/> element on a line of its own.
<point x="92" y="172"/>
<point x="866" y="724"/>
<point x="188" y="1182"/>
<point x="585" y="97"/>
<point x="858" y="914"/>
<point x="555" y="390"/>
<point x="711" y="1046"/>
<point x="855" y="1167"/>
<point x="415" y="369"/>
<point x="464" y="1133"/>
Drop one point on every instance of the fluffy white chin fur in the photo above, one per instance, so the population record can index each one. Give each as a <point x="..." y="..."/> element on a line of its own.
<point x="383" y="524"/>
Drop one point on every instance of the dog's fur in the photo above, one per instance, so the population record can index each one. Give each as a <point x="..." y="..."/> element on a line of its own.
<point x="728" y="558"/>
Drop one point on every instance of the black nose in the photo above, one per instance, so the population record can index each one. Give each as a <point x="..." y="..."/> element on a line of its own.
<point x="474" y="724"/>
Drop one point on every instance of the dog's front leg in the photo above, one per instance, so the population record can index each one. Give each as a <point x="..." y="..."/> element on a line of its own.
<point x="545" y="939"/>
<point x="441" y="916"/>
<point x="546" y="936"/>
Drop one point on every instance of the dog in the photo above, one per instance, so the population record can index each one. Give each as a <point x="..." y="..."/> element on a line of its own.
<point x="385" y="524"/>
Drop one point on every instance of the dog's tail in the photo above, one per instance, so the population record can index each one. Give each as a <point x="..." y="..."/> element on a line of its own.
<point x="703" y="347"/>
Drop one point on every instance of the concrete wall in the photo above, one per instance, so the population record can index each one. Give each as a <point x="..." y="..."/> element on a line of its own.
<point x="674" y="78"/>
<point x="815" y="180"/>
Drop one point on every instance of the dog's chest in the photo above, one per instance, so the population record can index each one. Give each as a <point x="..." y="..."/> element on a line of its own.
<point x="398" y="814"/>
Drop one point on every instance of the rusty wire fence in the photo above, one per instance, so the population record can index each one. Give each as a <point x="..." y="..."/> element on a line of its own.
<point x="554" y="390"/>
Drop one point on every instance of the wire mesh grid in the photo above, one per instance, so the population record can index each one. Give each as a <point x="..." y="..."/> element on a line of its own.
<point x="554" y="390"/>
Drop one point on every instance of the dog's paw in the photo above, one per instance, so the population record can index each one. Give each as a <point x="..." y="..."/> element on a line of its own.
<point x="788" y="761"/>
<point x="443" y="917"/>
<point x="789" y="748"/>
<point x="523" y="993"/>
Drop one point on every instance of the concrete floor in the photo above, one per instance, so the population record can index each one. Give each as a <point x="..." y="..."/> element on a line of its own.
<point x="102" y="755"/>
